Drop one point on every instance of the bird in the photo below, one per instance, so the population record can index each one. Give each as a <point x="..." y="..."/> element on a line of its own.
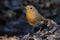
<point x="35" y="19"/>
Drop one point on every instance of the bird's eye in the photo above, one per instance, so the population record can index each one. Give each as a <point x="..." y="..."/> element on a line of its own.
<point x="30" y="8"/>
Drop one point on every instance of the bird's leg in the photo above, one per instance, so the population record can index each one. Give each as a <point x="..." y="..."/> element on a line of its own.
<point x="48" y="25"/>
<point x="48" y="21"/>
<point x="38" y="32"/>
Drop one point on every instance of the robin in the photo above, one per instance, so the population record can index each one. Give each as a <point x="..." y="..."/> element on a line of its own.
<point x="35" y="19"/>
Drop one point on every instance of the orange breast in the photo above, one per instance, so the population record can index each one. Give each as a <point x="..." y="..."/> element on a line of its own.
<point x="30" y="16"/>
